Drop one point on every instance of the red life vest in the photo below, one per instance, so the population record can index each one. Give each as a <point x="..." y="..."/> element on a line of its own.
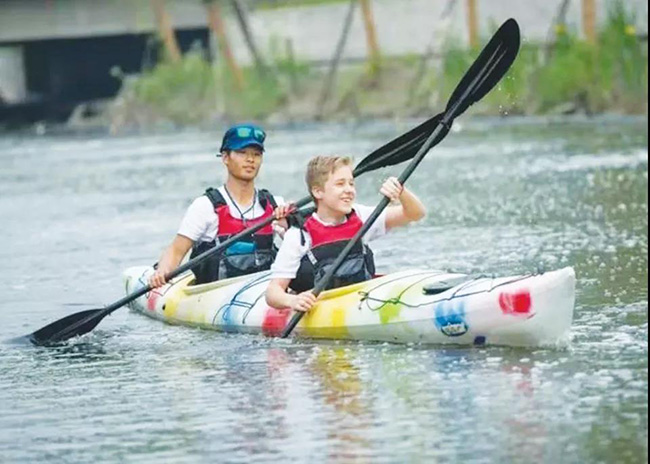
<point x="327" y="242"/>
<point x="230" y="225"/>
<point x="322" y="234"/>
<point x="244" y="257"/>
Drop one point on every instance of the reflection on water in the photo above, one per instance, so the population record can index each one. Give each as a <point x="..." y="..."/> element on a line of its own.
<point x="342" y="388"/>
<point x="503" y="199"/>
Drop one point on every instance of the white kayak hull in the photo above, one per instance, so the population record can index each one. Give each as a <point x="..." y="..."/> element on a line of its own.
<point x="534" y="310"/>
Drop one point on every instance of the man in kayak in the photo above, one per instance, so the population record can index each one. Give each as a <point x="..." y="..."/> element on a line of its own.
<point x="308" y="251"/>
<point x="223" y="212"/>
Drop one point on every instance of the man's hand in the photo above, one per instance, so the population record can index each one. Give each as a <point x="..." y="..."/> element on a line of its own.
<point x="281" y="213"/>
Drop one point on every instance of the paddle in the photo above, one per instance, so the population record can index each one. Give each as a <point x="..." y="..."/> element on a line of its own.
<point x="488" y="69"/>
<point x="396" y="151"/>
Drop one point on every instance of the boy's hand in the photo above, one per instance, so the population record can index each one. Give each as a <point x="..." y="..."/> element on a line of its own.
<point x="158" y="278"/>
<point x="303" y="302"/>
<point x="392" y="189"/>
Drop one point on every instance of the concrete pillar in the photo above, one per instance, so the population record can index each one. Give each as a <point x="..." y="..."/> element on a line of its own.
<point x="12" y="75"/>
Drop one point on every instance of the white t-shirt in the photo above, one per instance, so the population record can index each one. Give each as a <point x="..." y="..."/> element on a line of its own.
<point x="291" y="252"/>
<point x="201" y="223"/>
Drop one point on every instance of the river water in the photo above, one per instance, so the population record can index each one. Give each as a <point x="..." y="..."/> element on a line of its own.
<point x="503" y="198"/>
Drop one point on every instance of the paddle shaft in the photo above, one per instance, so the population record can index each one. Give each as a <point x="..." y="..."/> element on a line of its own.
<point x="458" y="103"/>
<point x="385" y="201"/>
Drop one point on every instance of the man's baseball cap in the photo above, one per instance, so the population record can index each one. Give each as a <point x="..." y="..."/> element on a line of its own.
<point x="242" y="136"/>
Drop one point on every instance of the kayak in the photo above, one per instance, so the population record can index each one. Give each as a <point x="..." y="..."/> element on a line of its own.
<point x="412" y="306"/>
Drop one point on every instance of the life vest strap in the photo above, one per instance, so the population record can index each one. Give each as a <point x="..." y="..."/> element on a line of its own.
<point x="264" y="196"/>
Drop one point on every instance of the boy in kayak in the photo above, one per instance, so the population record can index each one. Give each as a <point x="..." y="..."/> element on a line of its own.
<point x="223" y="212"/>
<point x="307" y="252"/>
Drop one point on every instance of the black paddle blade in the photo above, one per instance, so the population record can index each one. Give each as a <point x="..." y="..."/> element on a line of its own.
<point x="403" y="148"/>
<point x="70" y="326"/>
<point x="488" y="69"/>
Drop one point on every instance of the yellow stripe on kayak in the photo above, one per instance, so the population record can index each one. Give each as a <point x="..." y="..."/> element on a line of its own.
<point x="328" y="318"/>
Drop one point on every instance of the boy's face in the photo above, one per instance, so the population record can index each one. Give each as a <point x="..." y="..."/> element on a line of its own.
<point x="339" y="191"/>
<point x="243" y="164"/>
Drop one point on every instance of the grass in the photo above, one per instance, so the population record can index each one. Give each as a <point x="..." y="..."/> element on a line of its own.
<point x="194" y="90"/>
<point x="179" y="91"/>
<point x="611" y="74"/>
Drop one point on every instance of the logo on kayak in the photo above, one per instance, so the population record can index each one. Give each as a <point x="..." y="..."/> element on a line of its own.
<point x="275" y="320"/>
<point x="450" y="318"/>
<point x="517" y="304"/>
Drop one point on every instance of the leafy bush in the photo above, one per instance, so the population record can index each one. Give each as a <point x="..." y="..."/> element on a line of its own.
<point x="610" y="74"/>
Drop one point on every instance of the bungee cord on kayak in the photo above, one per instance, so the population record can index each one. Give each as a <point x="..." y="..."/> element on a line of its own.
<point x="457" y="293"/>
<point x="234" y="302"/>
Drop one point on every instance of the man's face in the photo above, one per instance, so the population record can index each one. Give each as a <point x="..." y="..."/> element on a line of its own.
<point x="243" y="164"/>
<point x="339" y="192"/>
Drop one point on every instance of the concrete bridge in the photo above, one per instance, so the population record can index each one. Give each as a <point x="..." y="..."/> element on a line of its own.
<point x="59" y="52"/>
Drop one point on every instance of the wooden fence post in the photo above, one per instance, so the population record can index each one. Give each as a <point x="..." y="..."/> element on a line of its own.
<point x="440" y="33"/>
<point x="330" y="80"/>
<point x="242" y="18"/>
<point x="557" y="29"/>
<point x="374" y="55"/>
<point x="291" y="61"/>
<point x="219" y="30"/>
<point x="472" y="23"/>
<point x="589" y="20"/>
<point x="166" y="30"/>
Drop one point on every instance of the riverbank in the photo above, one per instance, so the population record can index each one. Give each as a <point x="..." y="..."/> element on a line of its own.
<point x="566" y="76"/>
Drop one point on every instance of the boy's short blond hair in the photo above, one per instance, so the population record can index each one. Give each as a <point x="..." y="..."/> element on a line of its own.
<point x="321" y="167"/>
